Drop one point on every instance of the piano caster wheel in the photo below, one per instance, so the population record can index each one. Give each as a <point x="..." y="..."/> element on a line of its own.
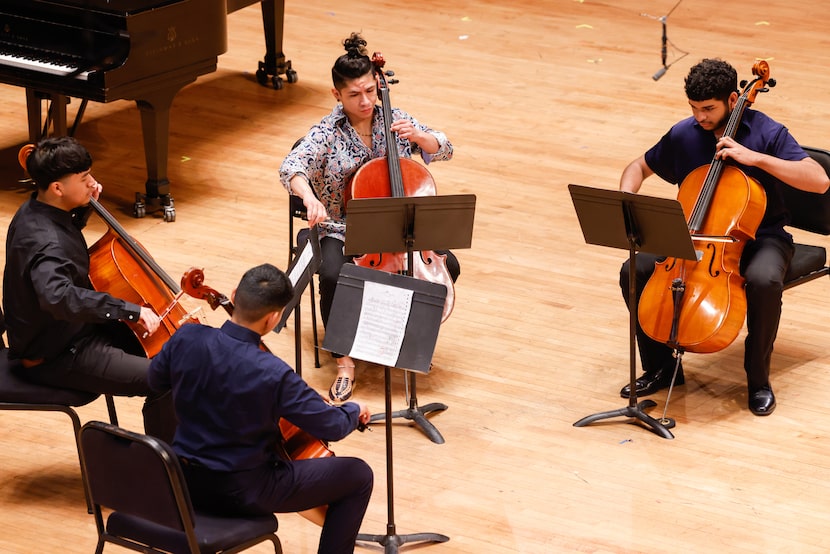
<point x="262" y="79"/>
<point x="261" y="76"/>
<point x="139" y="208"/>
<point x="277" y="82"/>
<point x="144" y="204"/>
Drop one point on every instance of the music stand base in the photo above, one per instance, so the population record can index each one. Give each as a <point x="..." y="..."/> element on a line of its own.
<point x="417" y="415"/>
<point x="636" y="411"/>
<point x="391" y="541"/>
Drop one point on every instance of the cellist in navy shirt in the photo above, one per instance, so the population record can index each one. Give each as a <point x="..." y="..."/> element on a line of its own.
<point x="762" y="148"/>
<point x="229" y="396"/>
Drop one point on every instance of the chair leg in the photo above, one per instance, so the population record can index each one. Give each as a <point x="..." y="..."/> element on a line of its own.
<point x="76" y="426"/>
<point x="314" y="324"/>
<point x="298" y="343"/>
<point x="111" y="410"/>
<point x="76" y="430"/>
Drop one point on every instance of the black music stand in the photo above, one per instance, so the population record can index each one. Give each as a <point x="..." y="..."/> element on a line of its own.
<point x="636" y="223"/>
<point x="392" y="320"/>
<point x="408" y="224"/>
<point x="300" y="272"/>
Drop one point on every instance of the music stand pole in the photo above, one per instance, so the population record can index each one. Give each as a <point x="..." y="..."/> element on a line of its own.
<point x="413" y="412"/>
<point x="633" y="222"/>
<point x="391" y="540"/>
<point x="634" y="409"/>
<point x="391" y="320"/>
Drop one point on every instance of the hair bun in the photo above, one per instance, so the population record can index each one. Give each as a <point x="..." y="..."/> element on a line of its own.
<point x="355" y="46"/>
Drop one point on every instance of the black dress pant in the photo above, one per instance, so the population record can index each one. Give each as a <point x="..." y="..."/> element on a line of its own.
<point x="97" y="363"/>
<point x="344" y="484"/>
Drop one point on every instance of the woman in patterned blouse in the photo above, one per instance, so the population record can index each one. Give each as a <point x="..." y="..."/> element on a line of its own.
<point x="320" y="167"/>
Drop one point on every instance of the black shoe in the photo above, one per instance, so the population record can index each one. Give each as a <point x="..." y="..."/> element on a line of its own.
<point x="649" y="383"/>
<point x="762" y="401"/>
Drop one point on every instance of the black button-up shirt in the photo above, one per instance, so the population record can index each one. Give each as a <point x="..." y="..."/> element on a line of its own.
<point x="48" y="299"/>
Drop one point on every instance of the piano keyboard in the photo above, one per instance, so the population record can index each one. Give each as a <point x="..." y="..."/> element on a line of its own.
<point x="42" y="66"/>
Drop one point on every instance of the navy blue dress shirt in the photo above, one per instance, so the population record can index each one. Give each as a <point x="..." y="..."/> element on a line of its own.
<point x="229" y="396"/>
<point x="688" y="146"/>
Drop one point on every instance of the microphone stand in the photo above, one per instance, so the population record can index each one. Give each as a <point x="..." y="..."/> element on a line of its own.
<point x="662" y="70"/>
<point x="664" y="43"/>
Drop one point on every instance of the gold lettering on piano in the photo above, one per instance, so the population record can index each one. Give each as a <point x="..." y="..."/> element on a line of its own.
<point x="173" y="43"/>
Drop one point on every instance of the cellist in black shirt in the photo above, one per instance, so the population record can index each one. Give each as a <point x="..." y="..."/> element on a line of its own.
<point x="65" y="333"/>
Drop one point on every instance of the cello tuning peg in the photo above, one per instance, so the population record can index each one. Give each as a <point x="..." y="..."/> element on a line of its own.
<point x="743" y="83"/>
<point x="393" y="81"/>
<point x="771" y="82"/>
<point x="389" y="73"/>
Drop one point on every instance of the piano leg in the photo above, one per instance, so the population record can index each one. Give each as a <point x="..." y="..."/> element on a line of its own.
<point x="56" y="117"/>
<point x="274" y="64"/>
<point x="155" y="127"/>
<point x="55" y="114"/>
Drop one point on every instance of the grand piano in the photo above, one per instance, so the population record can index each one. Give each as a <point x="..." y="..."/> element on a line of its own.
<point x="107" y="50"/>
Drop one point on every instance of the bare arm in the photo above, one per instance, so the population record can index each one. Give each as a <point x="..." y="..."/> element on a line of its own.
<point x="806" y="174"/>
<point x="634" y="174"/>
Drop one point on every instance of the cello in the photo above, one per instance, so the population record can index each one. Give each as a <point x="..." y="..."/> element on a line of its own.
<point x="120" y="266"/>
<point x="700" y="306"/>
<point x="396" y="177"/>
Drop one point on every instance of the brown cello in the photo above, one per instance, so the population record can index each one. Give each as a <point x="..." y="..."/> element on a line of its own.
<point x="393" y="176"/>
<point x="700" y="306"/>
<point x="296" y="444"/>
<point x="120" y="266"/>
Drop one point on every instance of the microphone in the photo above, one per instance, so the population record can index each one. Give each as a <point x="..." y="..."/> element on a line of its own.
<point x="662" y="70"/>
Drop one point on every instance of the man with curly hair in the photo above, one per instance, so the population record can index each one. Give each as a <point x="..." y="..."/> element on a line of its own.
<point x="764" y="150"/>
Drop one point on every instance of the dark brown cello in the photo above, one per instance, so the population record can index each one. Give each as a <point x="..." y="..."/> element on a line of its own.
<point x="392" y="176"/>
<point x="121" y="267"/>
<point x="700" y="306"/>
<point x="296" y="444"/>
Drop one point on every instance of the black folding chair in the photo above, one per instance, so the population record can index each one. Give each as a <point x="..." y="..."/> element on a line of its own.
<point x="139" y="478"/>
<point x="809" y="212"/>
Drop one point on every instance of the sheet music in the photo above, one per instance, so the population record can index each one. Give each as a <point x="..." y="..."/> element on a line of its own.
<point x="305" y="258"/>
<point x="384" y="314"/>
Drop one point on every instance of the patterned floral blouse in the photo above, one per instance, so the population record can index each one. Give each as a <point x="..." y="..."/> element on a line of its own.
<point x="332" y="152"/>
